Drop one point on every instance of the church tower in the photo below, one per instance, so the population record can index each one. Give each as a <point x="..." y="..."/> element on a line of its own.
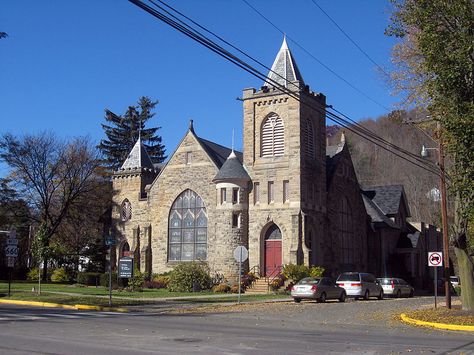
<point x="130" y="205"/>
<point x="285" y="155"/>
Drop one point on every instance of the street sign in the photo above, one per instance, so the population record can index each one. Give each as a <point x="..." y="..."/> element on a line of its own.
<point x="11" y="241"/>
<point x="241" y="254"/>
<point x="11" y="250"/>
<point x="10" y="261"/>
<point x="125" y="268"/>
<point x="109" y="240"/>
<point x="435" y="258"/>
<point x="12" y="234"/>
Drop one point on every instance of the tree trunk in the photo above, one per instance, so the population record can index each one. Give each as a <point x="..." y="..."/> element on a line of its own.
<point x="45" y="269"/>
<point x="466" y="275"/>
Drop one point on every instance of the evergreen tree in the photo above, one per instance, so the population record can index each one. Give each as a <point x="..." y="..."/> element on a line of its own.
<point x="122" y="133"/>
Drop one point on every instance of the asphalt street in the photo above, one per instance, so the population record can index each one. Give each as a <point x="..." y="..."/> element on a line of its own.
<point x="354" y="327"/>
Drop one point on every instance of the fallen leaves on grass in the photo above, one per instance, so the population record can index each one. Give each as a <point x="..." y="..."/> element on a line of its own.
<point x="444" y="315"/>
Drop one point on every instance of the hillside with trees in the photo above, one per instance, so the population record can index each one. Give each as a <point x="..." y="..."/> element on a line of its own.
<point x="376" y="166"/>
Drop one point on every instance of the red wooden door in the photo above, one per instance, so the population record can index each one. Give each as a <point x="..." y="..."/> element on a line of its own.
<point x="272" y="257"/>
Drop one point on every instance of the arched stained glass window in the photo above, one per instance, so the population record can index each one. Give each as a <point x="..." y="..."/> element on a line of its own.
<point x="187" y="238"/>
<point x="273" y="137"/>
<point x="125" y="210"/>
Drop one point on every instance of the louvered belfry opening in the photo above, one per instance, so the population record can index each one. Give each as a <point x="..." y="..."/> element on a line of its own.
<point x="309" y="137"/>
<point x="273" y="137"/>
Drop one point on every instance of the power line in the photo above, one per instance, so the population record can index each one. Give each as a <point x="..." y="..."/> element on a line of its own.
<point x="316" y="59"/>
<point x="200" y="38"/>
<point x="349" y="38"/>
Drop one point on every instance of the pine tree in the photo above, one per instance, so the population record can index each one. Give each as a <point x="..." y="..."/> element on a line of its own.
<point x="122" y="133"/>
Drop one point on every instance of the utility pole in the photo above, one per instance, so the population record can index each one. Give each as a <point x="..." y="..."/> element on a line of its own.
<point x="444" y="218"/>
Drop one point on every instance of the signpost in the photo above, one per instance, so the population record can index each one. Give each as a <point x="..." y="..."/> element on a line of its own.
<point x="11" y="253"/>
<point x="110" y="242"/>
<point x="435" y="259"/>
<point x="240" y="255"/>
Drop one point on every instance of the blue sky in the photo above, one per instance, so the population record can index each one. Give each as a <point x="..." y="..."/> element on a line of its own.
<point x="64" y="62"/>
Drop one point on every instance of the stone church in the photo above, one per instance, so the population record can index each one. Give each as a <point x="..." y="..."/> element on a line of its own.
<point x="288" y="197"/>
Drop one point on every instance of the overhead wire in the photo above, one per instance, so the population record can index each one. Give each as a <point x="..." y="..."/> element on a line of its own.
<point x="315" y="58"/>
<point x="200" y="38"/>
<point x="350" y="38"/>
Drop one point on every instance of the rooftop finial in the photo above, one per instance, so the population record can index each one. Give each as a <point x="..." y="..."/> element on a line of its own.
<point x="232" y="139"/>
<point x="191" y="127"/>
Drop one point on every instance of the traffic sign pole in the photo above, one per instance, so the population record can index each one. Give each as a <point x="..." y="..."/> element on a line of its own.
<point x="436" y="285"/>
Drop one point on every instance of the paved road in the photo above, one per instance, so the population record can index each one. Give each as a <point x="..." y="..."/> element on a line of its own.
<point x="358" y="327"/>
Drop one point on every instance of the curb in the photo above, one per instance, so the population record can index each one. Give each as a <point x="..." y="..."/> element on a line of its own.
<point x="78" y="307"/>
<point x="408" y="320"/>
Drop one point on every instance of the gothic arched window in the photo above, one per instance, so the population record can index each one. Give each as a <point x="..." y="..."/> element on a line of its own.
<point x="187" y="236"/>
<point x="273" y="136"/>
<point x="125" y="210"/>
<point x="309" y="139"/>
<point x="346" y="232"/>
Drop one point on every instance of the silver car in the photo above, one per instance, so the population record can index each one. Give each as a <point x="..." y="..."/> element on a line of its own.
<point x="360" y="285"/>
<point x="396" y="287"/>
<point x="317" y="288"/>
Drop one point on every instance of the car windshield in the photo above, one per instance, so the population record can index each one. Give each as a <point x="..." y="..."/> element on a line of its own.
<point x="309" y="281"/>
<point x="348" y="277"/>
<point x="385" y="281"/>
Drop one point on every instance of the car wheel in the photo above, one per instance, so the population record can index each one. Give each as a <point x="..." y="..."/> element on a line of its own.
<point x="366" y="295"/>
<point x="297" y="300"/>
<point x="380" y="297"/>
<point x="399" y="294"/>
<point x="342" y="298"/>
<point x="322" y="298"/>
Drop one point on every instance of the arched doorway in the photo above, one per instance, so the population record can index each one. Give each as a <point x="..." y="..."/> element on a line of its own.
<point x="272" y="255"/>
<point x="125" y="250"/>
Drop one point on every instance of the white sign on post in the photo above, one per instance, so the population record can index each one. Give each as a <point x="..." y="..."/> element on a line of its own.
<point x="241" y="254"/>
<point x="435" y="258"/>
<point x="10" y="261"/>
<point x="11" y="250"/>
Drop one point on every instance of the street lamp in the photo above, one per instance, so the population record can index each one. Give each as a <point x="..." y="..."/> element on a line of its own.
<point x="444" y="213"/>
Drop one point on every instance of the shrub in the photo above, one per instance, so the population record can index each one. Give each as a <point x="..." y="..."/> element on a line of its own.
<point x="88" y="278"/>
<point x="235" y="288"/>
<point x="295" y="272"/>
<point x="154" y="284"/>
<point x="316" y="271"/>
<point x="221" y="288"/>
<point x="136" y="282"/>
<point x="277" y="282"/>
<point x="161" y="279"/>
<point x="190" y="276"/>
<point x="60" y="275"/>
<point x="457" y="290"/>
<point x="32" y="275"/>
<point x="248" y="279"/>
<point x="104" y="280"/>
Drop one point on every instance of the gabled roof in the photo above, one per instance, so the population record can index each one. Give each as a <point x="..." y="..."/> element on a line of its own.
<point x="388" y="198"/>
<point x="284" y="69"/>
<point x="232" y="169"/>
<point x="218" y="153"/>
<point x="138" y="158"/>
<point x="375" y="213"/>
<point x="332" y="158"/>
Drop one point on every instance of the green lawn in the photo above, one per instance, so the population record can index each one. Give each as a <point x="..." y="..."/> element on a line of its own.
<point x="89" y="295"/>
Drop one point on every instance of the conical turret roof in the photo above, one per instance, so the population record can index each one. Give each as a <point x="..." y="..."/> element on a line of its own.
<point x="138" y="158"/>
<point x="232" y="169"/>
<point x="284" y="69"/>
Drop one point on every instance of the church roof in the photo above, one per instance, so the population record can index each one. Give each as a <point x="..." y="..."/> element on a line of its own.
<point x="232" y="169"/>
<point x="138" y="158"/>
<point x="284" y="69"/>
<point x="375" y="213"/>
<point x="332" y="158"/>
<point x="388" y="198"/>
<point x="218" y="153"/>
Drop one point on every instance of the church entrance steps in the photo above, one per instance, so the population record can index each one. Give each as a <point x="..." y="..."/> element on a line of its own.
<point x="260" y="286"/>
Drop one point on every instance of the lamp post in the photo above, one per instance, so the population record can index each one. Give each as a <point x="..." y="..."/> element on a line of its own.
<point x="444" y="213"/>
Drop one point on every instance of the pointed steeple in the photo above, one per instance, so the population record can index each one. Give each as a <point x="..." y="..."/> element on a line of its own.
<point x="284" y="69"/>
<point x="232" y="170"/>
<point x="138" y="157"/>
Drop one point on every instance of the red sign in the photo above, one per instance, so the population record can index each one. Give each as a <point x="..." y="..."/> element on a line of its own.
<point x="435" y="258"/>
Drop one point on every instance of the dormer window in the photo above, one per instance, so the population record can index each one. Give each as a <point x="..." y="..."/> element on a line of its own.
<point x="273" y="137"/>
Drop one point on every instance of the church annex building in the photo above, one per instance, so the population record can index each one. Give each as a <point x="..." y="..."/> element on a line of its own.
<point x="288" y="197"/>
